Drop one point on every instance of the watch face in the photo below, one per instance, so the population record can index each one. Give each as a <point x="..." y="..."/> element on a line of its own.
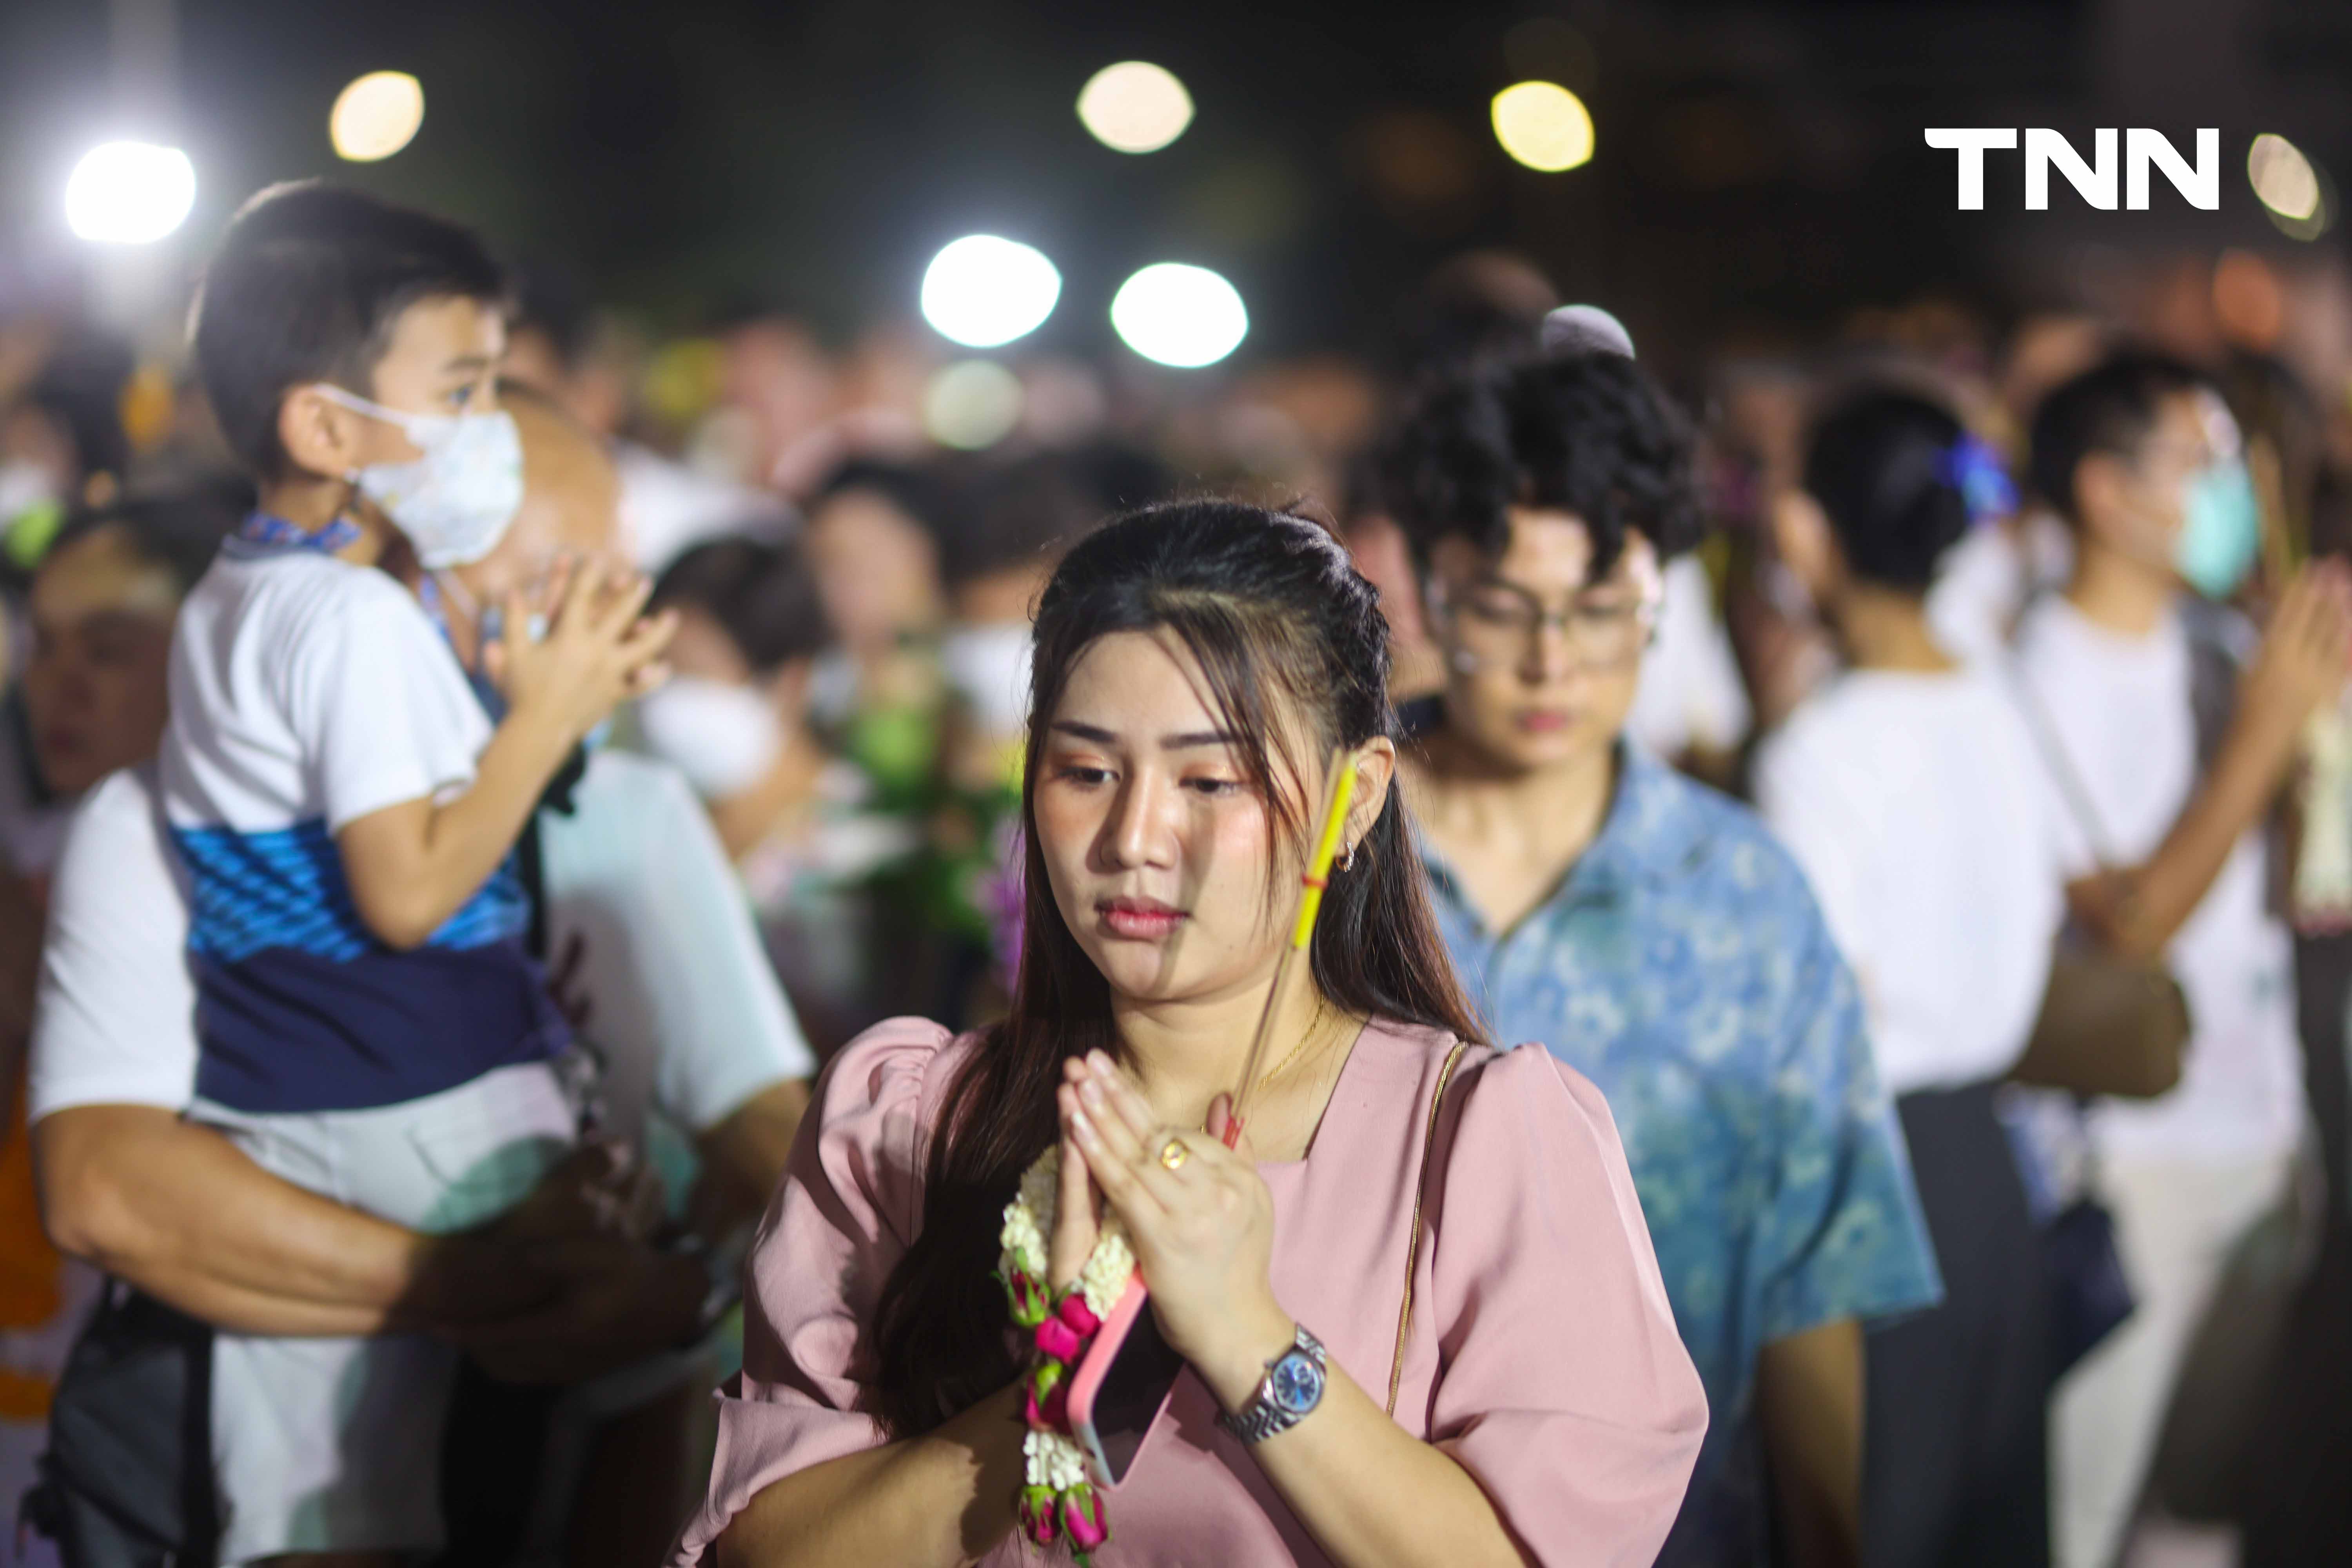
<point x="1297" y="1382"/>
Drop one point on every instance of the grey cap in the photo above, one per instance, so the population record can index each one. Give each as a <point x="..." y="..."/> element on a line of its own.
<point x="1584" y="329"/>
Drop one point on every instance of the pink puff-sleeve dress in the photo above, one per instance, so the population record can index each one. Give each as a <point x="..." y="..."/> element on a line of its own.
<point x="1541" y="1353"/>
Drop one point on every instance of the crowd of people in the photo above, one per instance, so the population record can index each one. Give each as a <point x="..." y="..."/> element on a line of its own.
<point x="547" y="875"/>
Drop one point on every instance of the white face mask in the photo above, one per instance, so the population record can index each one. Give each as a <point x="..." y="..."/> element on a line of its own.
<point x="30" y="512"/>
<point x="455" y="501"/>
<point x="24" y="487"/>
<point x="989" y="667"/>
<point x="723" y="738"/>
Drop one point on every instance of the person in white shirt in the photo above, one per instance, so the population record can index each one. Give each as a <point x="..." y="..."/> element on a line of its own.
<point x="1906" y="786"/>
<point x="1691" y="703"/>
<point x="663" y="973"/>
<point x="88" y="699"/>
<point x="1989" y="577"/>
<point x="2166" y="859"/>
<point x="372" y="1025"/>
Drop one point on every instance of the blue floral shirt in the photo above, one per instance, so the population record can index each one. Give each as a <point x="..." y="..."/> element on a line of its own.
<point x="1683" y="967"/>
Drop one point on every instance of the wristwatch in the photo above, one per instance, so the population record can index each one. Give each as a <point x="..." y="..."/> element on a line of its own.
<point x="1287" y="1393"/>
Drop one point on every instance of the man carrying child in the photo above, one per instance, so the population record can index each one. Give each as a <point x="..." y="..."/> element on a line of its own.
<point x="370" y="1024"/>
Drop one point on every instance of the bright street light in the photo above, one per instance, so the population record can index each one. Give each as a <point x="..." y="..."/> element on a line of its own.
<point x="130" y="192"/>
<point x="982" y="291"/>
<point x="1178" y="315"/>
<point x="1543" y="125"/>
<point x="376" y="116"/>
<point x="1135" y="106"/>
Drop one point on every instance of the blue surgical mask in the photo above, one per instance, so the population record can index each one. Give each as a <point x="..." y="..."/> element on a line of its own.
<point x="2221" y="531"/>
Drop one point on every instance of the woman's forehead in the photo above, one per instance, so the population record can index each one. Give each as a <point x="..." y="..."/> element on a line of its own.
<point x="1146" y="689"/>
<point x="1138" y="684"/>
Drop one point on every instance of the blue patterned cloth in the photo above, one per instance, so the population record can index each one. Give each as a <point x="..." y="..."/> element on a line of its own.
<point x="262" y="534"/>
<point x="253" y="891"/>
<point x="1683" y="967"/>
<point x="300" y="1008"/>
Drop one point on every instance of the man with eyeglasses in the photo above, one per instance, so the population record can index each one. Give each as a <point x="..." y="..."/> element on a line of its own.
<point x="1651" y="930"/>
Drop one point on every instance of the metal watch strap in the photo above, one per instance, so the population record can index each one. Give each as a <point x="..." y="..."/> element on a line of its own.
<point x="1261" y="1418"/>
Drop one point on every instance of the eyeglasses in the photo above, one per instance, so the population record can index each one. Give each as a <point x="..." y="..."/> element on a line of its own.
<point x="1494" y="624"/>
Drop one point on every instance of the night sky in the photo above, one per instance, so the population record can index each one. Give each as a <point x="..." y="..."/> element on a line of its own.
<point x="1759" y="165"/>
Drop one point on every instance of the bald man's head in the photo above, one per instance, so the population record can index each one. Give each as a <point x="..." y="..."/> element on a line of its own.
<point x="571" y="491"/>
<point x="571" y="502"/>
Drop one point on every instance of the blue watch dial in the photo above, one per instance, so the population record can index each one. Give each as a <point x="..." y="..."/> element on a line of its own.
<point x="1296" y="1383"/>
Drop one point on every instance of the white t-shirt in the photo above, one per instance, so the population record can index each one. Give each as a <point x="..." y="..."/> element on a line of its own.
<point x="304" y="688"/>
<point x="681" y="1000"/>
<point x="1691" y="694"/>
<point x="679" y="995"/>
<point x="1989" y="576"/>
<point x="2120" y="707"/>
<point x="1914" y="804"/>
<point x="307" y="692"/>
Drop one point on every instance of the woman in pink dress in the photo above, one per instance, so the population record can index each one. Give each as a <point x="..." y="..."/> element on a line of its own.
<point x="1450" y="1274"/>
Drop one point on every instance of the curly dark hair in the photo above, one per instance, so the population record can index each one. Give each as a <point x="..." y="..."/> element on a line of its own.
<point x="1590" y="434"/>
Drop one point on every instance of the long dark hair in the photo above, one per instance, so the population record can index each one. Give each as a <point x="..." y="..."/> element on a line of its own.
<point x="1282" y="626"/>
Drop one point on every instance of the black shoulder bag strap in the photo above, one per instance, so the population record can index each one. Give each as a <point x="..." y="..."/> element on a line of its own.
<point x="127" y="1482"/>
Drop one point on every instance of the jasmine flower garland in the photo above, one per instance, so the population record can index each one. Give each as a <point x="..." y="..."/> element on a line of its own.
<point x="1056" y="1498"/>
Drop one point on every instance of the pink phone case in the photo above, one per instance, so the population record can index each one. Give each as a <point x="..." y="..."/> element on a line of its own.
<point x="1094" y="1366"/>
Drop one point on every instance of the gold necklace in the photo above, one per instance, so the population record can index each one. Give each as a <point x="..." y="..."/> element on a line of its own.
<point x="1305" y="1040"/>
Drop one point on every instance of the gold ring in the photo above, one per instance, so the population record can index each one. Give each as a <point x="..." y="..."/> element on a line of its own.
<point x="1173" y="1153"/>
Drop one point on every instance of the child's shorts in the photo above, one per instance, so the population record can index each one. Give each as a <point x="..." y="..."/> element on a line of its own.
<point x="334" y="1444"/>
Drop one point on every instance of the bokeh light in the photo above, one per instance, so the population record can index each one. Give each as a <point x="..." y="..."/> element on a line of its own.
<point x="1543" y="125"/>
<point x="1174" y="314"/>
<point x="971" y="403"/>
<point x="130" y="192"/>
<point x="376" y="116"/>
<point x="2294" y="190"/>
<point x="147" y="406"/>
<point x="2283" y="178"/>
<point x="982" y="290"/>
<point x="2249" y="303"/>
<point x="1135" y="106"/>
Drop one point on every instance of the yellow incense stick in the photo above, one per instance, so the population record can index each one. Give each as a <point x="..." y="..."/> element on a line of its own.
<point x="1326" y="848"/>
<point x="1316" y="877"/>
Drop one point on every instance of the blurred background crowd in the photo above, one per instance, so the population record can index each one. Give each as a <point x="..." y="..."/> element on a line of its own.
<point x="875" y="314"/>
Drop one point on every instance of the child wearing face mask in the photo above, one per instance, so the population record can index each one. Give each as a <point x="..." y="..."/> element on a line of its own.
<point x="2176" y="756"/>
<point x="372" y="1026"/>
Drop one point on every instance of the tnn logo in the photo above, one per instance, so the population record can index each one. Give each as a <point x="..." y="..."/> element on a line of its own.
<point x="2094" y="181"/>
